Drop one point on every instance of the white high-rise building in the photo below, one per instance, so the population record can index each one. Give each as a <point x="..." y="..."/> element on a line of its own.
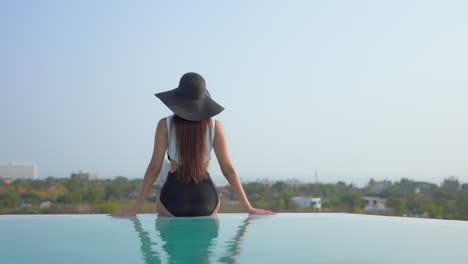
<point x="84" y="175"/>
<point x="308" y="201"/>
<point x="18" y="170"/>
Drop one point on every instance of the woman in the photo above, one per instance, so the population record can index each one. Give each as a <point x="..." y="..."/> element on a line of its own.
<point x="188" y="136"/>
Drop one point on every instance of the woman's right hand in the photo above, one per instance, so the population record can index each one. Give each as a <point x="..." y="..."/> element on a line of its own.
<point x="259" y="211"/>
<point x="131" y="212"/>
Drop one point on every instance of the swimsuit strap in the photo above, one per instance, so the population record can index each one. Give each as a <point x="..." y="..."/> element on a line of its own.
<point x="212" y="130"/>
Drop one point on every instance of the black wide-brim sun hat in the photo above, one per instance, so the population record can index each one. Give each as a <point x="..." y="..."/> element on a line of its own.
<point x="191" y="100"/>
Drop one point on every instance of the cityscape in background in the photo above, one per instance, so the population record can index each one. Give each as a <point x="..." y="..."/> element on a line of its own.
<point x="85" y="192"/>
<point x="10" y="171"/>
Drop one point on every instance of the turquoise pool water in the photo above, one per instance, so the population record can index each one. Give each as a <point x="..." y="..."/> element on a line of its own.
<point x="231" y="238"/>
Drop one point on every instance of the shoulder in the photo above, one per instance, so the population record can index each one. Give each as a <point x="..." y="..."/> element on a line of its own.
<point x="162" y="122"/>
<point x="162" y="125"/>
<point x="219" y="128"/>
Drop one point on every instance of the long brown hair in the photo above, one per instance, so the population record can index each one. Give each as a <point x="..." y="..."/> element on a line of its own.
<point x="190" y="140"/>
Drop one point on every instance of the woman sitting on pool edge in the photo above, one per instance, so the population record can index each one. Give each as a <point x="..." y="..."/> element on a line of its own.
<point x="188" y="136"/>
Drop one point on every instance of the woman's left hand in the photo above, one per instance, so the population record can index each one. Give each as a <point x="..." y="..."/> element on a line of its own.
<point x="259" y="211"/>
<point x="131" y="212"/>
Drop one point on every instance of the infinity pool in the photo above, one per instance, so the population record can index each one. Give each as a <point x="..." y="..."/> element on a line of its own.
<point x="231" y="238"/>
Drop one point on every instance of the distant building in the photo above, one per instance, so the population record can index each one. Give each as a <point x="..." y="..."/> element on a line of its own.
<point x="152" y="195"/>
<point x="424" y="196"/>
<point x="133" y="194"/>
<point x="379" y="186"/>
<point x="308" y="202"/>
<point x="18" y="170"/>
<point x="226" y="192"/>
<point x="424" y="187"/>
<point x="45" y="204"/>
<point x="7" y="181"/>
<point x="83" y="175"/>
<point x="26" y="202"/>
<point x="375" y="204"/>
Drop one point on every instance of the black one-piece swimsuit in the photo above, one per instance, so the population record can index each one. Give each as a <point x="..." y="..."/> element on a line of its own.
<point x="188" y="199"/>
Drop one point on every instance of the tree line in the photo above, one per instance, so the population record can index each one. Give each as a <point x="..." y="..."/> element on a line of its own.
<point x="448" y="200"/>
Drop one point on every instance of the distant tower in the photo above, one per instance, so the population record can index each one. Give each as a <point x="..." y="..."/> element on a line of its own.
<point x="316" y="177"/>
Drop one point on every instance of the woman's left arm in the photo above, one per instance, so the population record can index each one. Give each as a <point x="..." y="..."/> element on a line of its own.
<point x="154" y="167"/>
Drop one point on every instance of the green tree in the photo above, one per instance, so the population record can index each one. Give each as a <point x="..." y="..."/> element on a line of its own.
<point x="30" y="195"/>
<point x="94" y="194"/>
<point x="398" y="205"/>
<point x="462" y="207"/>
<point x="353" y="201"/>
<point x="109" y="208"/>
<point x="464" y="188"/>
<point x="435" y="211"/>
<point x="9" y="199"/>
<point x="416" y="204"/>
<point x="451" y="184"/>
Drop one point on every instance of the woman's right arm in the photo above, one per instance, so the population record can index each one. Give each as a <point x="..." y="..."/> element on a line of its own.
<point x="221" y="151"/>
<point x="153" y="170"/>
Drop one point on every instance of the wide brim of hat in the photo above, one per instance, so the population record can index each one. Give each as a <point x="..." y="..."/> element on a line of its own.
<point x="190" y="109"/>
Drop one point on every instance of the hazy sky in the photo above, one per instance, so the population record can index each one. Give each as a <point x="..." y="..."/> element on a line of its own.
<point x="352" y="89"/>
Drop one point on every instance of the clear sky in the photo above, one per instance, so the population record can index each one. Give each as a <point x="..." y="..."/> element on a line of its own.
<point x="352" y="89"/>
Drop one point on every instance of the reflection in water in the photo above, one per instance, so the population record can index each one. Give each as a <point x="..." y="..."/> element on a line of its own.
<point x="149" y="254"/>
<point x="234" y="246"/>
<point x="188" y="240"/>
